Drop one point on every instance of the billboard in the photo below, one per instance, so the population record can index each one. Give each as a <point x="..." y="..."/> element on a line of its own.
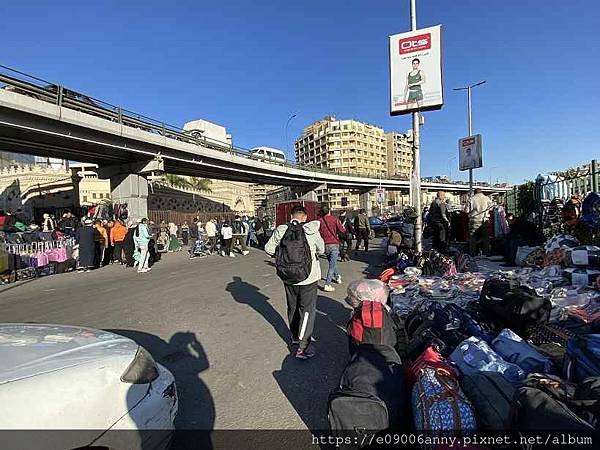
<point x="469" y="153"/>
<point x="380" y="196"/>
<point x="416" y="71"/>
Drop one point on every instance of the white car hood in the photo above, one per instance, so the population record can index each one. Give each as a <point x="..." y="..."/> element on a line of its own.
<point x="28" y="350"/>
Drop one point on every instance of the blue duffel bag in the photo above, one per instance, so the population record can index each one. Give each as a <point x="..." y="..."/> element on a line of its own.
<point x="515" y="350"/>
<point x="582" y="359"/>
<point x="474" y="355"/>
<point x="439" y="405"/>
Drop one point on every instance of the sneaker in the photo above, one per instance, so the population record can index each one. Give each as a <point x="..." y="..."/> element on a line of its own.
<point x="328" y="288"/>
<point x="338" y="279"/>
<point x="296" y="341"/>
<point x="245" y="252"/>
<point x="222" y="253"/>
<point x="305" y="354"/>
<point x="231" y="255"/>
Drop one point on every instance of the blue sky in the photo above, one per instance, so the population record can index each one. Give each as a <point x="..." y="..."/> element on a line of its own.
<point x="250" y="64"/>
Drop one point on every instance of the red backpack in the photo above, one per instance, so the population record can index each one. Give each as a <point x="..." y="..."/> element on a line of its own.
<point x="372" y="323"/>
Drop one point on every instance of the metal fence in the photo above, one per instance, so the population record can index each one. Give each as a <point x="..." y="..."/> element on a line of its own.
<point x="556" y="187"/>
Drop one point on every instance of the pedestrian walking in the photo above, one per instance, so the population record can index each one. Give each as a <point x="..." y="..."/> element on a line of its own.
<point x="479" y="215"/>
<point x="439" y="222"/>
<point x="362" y="227"/>
<point x="330" y="228"/>
<point x="296" y="246"/>
<point x="240" y="234"/>
<point x="142" y="239"/>
<point x="259" y="229"/>
<point x="347" y="238"/>
<point x="227" y="239"/>
<point x="86" y="238"/>
<point x="117" y="238"/>
<point x="185" y="233"/>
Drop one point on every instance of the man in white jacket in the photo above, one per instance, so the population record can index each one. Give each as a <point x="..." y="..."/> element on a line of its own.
<point x="478" y="223"/>
<point x="302" y="296"/>
<point x="211" y="234"/>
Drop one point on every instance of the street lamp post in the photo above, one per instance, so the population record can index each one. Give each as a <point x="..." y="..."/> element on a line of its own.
<point x="468" y="89"/>
<point x="287" y="144"/>
<point x="452" y="158"/>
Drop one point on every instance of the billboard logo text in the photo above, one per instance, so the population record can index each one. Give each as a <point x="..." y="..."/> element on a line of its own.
<point x="415" y="43"/>
<point x="468" y="142"/>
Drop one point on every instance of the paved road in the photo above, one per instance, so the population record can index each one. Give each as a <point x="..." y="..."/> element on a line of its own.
<point x="218" y="324"/>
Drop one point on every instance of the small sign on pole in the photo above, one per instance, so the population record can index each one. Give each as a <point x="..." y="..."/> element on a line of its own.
<point x="470" y="153"/>
<point x="380" y="195"/>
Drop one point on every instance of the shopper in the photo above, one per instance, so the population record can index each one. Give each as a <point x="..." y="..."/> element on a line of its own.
<point x="69" y="224"/>
<point x="87" y="238"/>
<point x="240" y="235"/>
<point x="211" y="234"/>
<point x="194" y="233"/>
<point x="479" y="215"/>
<point x="301" y="296"/>
<point x="129" y="243"/>
<point x="174" y="244"/>
<point x="110" y="248"/>
<point x="142" y="239"/>
<point x="226" y="239"/>
<point x="185" y="233"/>
<point x="362" y="227"/>
<point x="259" y="229"/>
<point x="117" y="237"/>
<point x="330" y="227"/>
<point x="439" y="222"/>
<point x="101" y="240"/>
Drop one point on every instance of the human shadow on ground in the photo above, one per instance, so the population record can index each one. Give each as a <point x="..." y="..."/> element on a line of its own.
<point x="307" y="384"/>
<point x="186" y="359"/>
<point x="248" y="294"/>
<point x="373" y="260"/>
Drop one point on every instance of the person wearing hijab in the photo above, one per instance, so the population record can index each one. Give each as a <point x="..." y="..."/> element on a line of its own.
<point x="87" y="237"/>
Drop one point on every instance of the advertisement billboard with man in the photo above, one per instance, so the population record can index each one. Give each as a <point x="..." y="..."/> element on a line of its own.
<point x="469" y="149"/>
<point x="416" y="71"/>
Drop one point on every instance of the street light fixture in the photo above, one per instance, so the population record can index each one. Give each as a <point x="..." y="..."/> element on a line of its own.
<point x="468" y="89"/>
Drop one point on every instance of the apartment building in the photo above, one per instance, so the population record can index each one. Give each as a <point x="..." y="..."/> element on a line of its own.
<point x="344" y="146"/>
<point x="399" y="154"/>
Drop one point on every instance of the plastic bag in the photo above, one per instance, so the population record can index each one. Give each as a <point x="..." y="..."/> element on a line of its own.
<point x="371" y="290"/>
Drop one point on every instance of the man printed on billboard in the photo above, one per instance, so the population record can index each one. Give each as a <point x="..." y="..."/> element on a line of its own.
<point x="413" y="91"/>
<point x="471" y="159"/>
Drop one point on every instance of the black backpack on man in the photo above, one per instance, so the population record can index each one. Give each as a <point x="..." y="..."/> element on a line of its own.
<point x="293" y="259"/>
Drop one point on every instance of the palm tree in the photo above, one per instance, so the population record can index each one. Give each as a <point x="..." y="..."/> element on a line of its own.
<point x="175" y="181"/>
<point x="200" y="184"/>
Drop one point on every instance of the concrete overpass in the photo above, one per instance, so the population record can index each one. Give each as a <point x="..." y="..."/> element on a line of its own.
<point x="48" y="120"/>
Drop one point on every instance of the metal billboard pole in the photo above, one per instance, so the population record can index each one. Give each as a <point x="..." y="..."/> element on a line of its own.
<point x="416" y="151"/>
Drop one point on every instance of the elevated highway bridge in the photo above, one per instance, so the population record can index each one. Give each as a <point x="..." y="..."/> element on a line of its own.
<point x="45" y="119"/>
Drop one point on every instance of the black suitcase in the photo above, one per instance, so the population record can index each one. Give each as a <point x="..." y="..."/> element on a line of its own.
<point x="491" y="396"/>
<point x="369" y="397"/>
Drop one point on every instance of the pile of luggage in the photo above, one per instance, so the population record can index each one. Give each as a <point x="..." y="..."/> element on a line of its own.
<point x="496" y="364"/>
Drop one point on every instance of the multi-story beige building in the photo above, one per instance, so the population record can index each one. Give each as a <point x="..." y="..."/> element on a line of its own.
<point x="345" y="146"/>
<point x="259" y="195"/>
<point x="399" y="154"/>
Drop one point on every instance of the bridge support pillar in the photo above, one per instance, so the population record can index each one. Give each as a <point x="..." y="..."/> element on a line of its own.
<point x="133" y="190"/>
<point x="128" y="184"/>
<point x="365" y="203"/>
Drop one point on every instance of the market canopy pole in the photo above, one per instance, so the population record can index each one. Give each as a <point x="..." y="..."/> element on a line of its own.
<point x="416" y="152"/>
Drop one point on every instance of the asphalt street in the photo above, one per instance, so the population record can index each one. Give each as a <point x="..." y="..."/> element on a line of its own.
<point x="219" y="324"/>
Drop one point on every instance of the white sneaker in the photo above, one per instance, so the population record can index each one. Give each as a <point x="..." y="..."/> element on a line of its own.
<point x="328" y="288"/>
<point x="222" y="253"/>
<point x="231" y="255"/>
<point x="245" y="252"/>
<point x="338" y="280"/>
